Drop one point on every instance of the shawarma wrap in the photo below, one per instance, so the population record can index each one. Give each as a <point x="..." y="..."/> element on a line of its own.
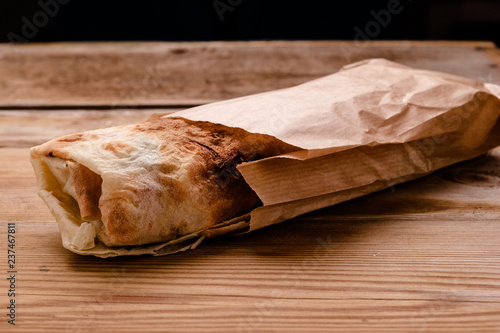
<point x="149" y="182"/>
<point x="162" y="185"/>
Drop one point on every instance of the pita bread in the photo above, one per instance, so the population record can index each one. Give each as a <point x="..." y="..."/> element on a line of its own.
<point x="150" y="182"/>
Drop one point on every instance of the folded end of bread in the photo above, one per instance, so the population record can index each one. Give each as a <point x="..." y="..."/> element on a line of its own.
<point x="76" y="234"/>
<point x="78" y="220"/>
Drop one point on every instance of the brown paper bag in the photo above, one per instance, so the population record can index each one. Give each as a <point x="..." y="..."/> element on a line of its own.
<point x="372" y="125"/>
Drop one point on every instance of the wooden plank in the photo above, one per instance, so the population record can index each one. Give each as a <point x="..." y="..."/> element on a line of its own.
<point x="419" y="257"/>
<point x="27" y="128"/>
<point x="424" y="257"/>
<point x="183" y="74"/>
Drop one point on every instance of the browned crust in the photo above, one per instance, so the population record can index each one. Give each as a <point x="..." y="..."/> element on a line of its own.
<point x="217" y="187"/>
<point x="221" y="149"/>
<point x="59" y="147"/>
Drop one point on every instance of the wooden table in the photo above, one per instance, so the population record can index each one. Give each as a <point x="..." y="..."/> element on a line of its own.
<point x="419" y="257"/>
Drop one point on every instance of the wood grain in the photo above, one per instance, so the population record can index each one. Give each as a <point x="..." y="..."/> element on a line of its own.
<point x="27" y="128"/>
<point x="359" y="266"/>
<point x="419" y="257"/>
<point x="183" y="74"/>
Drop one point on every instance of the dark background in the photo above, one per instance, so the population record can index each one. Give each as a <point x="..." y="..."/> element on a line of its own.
<point x="205" y="20"/>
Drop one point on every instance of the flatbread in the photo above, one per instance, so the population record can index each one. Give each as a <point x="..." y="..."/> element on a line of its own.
<point x="149" y="182"/>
